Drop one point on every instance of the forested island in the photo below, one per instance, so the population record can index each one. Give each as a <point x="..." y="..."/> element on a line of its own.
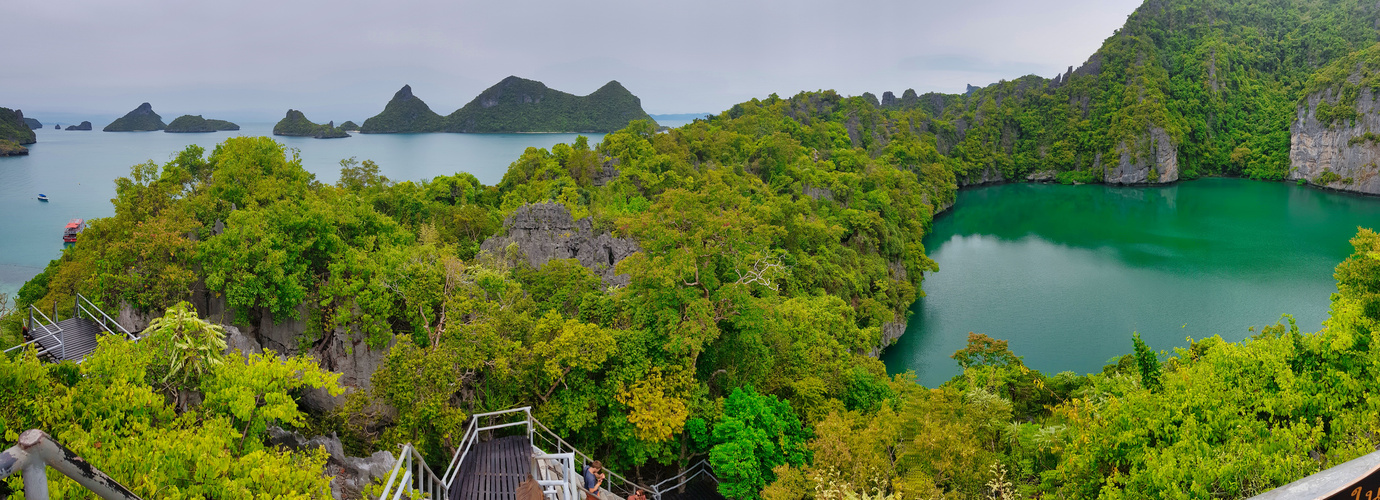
<point x="296" y="124"/>
<point x="141" y="119"/>
<point x="197" y="124"/>
<point x="721" y="290"/>
<point x="84" y="125"/>
<point x="514" y="105"/>
<point x="14" y="133"/>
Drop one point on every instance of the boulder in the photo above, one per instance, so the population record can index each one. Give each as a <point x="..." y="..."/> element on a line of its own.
<point x="349" y="475"/>
<point x="546" y="231"/>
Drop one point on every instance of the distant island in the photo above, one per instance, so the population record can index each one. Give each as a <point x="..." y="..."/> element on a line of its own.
<point x="514" y="105"/>
<point x="142" y="119"/>
<point x="33" y="124"/>
<point x="14" y="133"/>
<point x="84" y="126"/>
<point x="196" y="124"/>
<point x="349" y="126"/>
<point x="295" y="124"/>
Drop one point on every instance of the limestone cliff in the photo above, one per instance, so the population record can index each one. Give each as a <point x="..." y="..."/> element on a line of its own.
<point x="1152" y="159"/>
<point x="546" y="231"/>
<point x="1341" y="154"/>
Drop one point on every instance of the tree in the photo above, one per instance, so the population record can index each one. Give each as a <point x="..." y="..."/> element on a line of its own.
<point x="188" y="348"/>
<point x="757" y="433"/>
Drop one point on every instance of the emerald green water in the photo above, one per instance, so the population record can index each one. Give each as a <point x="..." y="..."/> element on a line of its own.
<point x="1067" y="273"/>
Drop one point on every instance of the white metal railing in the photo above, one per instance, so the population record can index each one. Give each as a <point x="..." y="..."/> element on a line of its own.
<point x="36" y="453"/>
<point x="416" y="476"/>
<point x="555" y="474"/>
<point x="49" y="330"/>
<point x="100" y="317"/>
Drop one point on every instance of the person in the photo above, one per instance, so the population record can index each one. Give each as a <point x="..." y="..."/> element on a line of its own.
<point x="594" y="479"/>
<point x="638" y="495"/>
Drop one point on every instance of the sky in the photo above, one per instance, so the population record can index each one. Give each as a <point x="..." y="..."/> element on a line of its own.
<point x="251" y="60"/>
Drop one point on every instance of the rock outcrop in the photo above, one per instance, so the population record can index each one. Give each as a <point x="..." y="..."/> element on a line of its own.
<point x="1152" y="159"/>
<point x="33" y="124"/>
<point x="83" y="126"/>
<point x="187" y="124"/>
<point x="1340" y="154"/>
<point x="349" y="475"/>
<point x="142" y="119"/>
<point x="546" y="231"/>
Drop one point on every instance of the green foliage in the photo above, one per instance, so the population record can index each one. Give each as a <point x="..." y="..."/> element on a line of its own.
<point x="1147" y="362"/>
<point x="1327" y="177"/>
<point x="756" y="434"/>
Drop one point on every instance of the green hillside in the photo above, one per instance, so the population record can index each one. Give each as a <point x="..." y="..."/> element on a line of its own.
<point x="141" y="119"/>
<point x="404" y="114"/>
<point x="14" y="133"/>
<point x="520" y="105"/>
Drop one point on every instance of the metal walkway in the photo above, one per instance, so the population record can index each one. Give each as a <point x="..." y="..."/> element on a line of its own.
<point x="71" y="339"/>
<point x="496" y="470"/>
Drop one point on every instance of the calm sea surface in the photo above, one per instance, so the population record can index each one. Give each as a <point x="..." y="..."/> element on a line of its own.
<point x="77" y="171"/>
<point x="1067" y="273"/>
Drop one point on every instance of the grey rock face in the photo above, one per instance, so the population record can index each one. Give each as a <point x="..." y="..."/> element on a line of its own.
<point x="238" y="341"/>
<point x="356" y="363"/>
<point x="349" y="475"/>
<point x="1154" y="159"/>
<point x="1343" y="149"/>
<point x="546" y="231"/>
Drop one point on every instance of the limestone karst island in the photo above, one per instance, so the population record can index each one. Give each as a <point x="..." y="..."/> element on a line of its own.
<point x="1087" y="249"/>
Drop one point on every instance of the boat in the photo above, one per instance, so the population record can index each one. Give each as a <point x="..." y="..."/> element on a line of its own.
<point x="74" y="228"/>
<point x="42" y="197"/>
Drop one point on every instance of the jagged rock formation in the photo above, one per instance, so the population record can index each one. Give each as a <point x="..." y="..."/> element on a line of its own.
<point x="196" y="124"/>
<point x="32" y="123"/>
<point x="14" y="133"/>
<point x="83" y="126"/>
<point x="349" y="475"/>
<point x="405" y="113"/>
<point x="295" y="124"/>
<point x="546" y="231"/>
<point x="142" y="119"/>
<point x="521" y="105"/>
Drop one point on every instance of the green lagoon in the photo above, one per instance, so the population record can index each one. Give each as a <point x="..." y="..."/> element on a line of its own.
<point x="1067" y="273"/>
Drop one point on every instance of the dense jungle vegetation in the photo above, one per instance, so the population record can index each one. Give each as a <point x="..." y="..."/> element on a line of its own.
<point x="779" y="239"/>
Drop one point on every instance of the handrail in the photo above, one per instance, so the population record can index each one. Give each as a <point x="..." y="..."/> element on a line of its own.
<point x="50" y="333"/>
<point x="702" y="467"/>
<point x="36" y="451"/>
<point x="413" y="466"/>
<point x="472" y="435"/>
<point x="107" y="317"/>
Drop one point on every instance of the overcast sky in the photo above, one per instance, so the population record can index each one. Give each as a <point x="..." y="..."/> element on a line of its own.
<point x="342" y="60"/>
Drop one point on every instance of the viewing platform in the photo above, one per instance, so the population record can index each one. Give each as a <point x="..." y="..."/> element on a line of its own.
<point x="71" y="339"/>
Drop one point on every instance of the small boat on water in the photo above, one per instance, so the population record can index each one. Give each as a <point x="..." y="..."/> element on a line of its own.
<point x="42" y="197"/>
<point x="74" y="228"/>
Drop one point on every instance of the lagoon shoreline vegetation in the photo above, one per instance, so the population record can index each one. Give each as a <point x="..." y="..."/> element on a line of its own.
<point x="765" y="256"/>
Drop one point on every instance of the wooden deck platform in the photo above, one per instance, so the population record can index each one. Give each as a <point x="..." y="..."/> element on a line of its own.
<point x="493" y="470"/>
<point x="78" y="333"/>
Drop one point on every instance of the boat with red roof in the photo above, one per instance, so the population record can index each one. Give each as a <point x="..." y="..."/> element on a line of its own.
<point x="74" y="228"/>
